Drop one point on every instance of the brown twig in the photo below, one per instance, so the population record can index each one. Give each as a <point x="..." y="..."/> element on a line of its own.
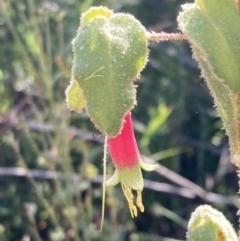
<point x="185" y="183"/>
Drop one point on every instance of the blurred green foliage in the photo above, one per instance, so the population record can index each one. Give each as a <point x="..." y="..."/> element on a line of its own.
<point x="175" y="123"/>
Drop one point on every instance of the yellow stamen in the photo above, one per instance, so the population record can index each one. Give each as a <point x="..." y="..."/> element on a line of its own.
<point x="132" y="208"/>
<point x="139" y="201"/>
<point x="129" y="193"/>
<point x="129" y="196"/>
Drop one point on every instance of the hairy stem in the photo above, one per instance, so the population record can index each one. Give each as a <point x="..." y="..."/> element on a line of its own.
<point x="162" y="36"/>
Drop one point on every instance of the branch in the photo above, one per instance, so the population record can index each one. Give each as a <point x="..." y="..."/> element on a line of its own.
<point x="190" y="186"/>
<point x="49" y="128"/>
<point x="151" y="185"/>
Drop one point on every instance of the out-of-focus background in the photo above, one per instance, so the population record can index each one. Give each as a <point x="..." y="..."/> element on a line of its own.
<point x="51" y="159"/>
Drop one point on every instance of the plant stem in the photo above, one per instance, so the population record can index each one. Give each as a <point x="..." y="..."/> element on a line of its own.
<point x="162" y="36"/>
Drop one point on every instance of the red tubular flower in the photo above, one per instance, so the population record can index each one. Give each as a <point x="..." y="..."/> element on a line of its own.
<point x="127" y="161"/>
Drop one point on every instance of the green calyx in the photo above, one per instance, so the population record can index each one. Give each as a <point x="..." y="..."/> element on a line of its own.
<point x="213" y="30"/>
<point x="131" y="179"/>
<point x="209" y="224"/>
<point x="110" y="50"/>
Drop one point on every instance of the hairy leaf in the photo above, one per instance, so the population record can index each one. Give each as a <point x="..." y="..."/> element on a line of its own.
<point x="213" y="29"/>
<point x="110" y="50"/>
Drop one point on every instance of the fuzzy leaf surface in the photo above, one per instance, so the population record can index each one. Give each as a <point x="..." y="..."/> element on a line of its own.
<point x="207" y="223"/>
<point x="110" y="50"/>
<point x="213" y="29"/>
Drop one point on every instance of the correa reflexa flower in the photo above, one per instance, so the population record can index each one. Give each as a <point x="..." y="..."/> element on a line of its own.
<point x="127" y="161"/>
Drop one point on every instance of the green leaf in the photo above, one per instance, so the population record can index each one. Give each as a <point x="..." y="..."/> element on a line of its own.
<point x="207" y="223"/>
<point x="110" y="50"/>
<point x="158" y="117"/>
<point x="213" y="29"/>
